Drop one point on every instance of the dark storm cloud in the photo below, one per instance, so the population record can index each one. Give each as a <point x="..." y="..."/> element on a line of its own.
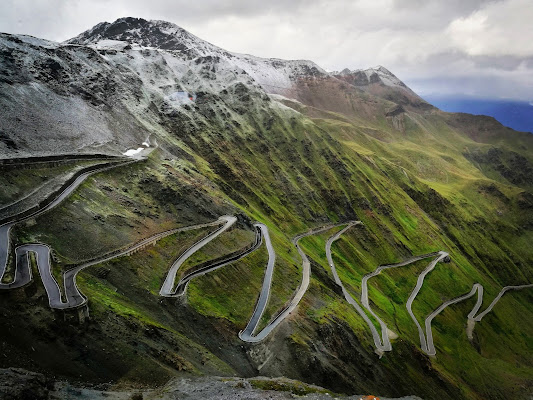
<point x="474" y="45"/>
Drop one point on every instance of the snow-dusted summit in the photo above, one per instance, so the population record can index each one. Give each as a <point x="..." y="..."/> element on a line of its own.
<point x="117" y="83"/>
<point x="152" y="34"/>
<point x="274" y="75"/>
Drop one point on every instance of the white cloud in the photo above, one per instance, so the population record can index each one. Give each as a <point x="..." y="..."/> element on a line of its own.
<point x="503" y="28"/>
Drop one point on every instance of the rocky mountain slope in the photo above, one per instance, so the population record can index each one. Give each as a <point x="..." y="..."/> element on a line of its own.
<point x="380" y="82"/>
<point x="294" y="147"/>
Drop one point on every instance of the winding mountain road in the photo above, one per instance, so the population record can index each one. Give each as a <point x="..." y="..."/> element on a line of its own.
<point x="479" y="317"/>
<point x="167" y="289"/>
<point x="22" y="274"/>
<point x="385" y="331"/>
<point x="420" y="281"/>
<point x="430" y="347"/>
<point x="472" y="318"/>
<point x="247" y="334"/>
<point x="73" y="298"/>
<point x="11" y="208"/>
<point x="214" y="265"/>
<point x="382" y="343"/>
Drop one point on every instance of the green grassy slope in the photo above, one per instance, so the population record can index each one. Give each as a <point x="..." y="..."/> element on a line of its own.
<point x="417" y="189"/>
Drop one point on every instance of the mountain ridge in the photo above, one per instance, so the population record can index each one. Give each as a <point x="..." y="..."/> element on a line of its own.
<point x="168" y="36"/>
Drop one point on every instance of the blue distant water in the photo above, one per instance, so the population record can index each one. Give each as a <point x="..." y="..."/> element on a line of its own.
<point x="514" y="114"/>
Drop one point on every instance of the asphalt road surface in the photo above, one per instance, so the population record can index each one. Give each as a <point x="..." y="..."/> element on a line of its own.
<point x="21" y="270"/>
<point x="385" y="331"/>
<point x="247" y="334"/>
<point x="184" y="282"/>
<point x="168" y="287"/>
<point x="382" y="343"/>
<point x="420" y="281"/>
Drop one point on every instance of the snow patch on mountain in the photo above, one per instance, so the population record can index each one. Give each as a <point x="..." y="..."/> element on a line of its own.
<point x="36" y="41"/>
<point x="277" y="103"/>
<point x="133" y="152"/>
<point x="280" y="97"/>
<point x="111" y="44"/>
<point x="387" y="77"/>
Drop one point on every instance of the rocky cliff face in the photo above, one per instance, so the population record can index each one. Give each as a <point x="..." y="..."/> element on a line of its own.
<point x="155" y="34"/>
<point x="18" y="384"/>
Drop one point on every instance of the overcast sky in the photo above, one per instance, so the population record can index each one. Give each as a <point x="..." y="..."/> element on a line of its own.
<point x="474" y="47"/>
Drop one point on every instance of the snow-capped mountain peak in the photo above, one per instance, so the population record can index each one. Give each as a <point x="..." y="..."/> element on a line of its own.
<point x="274" y="75"/>
<point x="135" y="67"/>
<point x="155" y="34"/>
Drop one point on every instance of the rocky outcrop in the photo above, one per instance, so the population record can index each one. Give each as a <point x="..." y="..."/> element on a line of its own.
<point x="380" y="82"/>
<point x="19" y="384"/>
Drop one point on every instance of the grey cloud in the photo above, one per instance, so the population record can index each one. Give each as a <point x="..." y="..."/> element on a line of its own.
<point x="55" y="19"/>
<point x="455" y="7"/>
<point x="455" y="72"/>
<point x="502" y="63"/>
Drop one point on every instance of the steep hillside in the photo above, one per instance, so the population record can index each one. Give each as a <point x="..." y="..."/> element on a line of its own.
<point x="291" y="146"/>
